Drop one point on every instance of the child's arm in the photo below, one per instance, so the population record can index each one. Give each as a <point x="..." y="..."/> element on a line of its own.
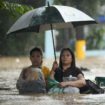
<point x="22" y="75"/>
<point x="20" y="80"/>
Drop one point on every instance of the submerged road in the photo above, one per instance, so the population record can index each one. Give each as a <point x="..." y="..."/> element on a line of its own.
<point x="10" y="96"/>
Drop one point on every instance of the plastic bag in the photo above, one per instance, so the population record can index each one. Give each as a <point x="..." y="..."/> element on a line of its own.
<point x="53" y="86"/>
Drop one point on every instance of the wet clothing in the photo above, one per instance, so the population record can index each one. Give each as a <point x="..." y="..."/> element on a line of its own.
<point x="69" y="75"/>
<point x="44" y="69"/>
<point x="59" y="74"/>
<point x="31" y="87"/>
<point x="36" y="85"/>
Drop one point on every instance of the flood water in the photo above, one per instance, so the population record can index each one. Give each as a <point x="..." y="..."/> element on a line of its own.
<point x="10" y="96"/>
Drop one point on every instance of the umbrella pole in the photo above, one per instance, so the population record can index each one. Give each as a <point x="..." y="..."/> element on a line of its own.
<point x="52" y="37"/>
<point x="53" y="41"/>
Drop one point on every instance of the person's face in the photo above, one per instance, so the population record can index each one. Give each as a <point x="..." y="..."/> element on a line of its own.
<point x="66" y="58"/>
<point x="36" y="59"/>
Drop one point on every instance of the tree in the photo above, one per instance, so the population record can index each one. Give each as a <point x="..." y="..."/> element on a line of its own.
<point x="17" y="44"/>
<point x="9" y="12"/>
<point x="33" y="3"/>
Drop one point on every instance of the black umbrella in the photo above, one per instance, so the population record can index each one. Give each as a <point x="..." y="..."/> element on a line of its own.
<point x="49" y="18"/>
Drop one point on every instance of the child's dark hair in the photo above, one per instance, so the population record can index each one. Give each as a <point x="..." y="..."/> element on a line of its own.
<point x="36" y="49"/>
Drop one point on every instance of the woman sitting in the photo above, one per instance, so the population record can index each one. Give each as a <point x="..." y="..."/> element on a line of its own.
<point x="70" y="78"/>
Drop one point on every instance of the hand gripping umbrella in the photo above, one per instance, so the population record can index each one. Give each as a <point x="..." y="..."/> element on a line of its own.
<point x="49" y="18"/>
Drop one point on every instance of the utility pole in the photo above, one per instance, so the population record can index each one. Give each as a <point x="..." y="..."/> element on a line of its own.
<point x="80" y="45"/>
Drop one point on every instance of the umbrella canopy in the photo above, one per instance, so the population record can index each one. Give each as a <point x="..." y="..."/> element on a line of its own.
<point x="41" y="18"/>
<point x="49" y="18"/>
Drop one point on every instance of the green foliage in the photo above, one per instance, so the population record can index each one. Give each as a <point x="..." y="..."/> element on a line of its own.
<point x="96" y="39"/>
<point x="20" y="44"/>
<point x="15" y="9"/>
<point x="33" y="3"/>
<point x="16" y="44"/>
<point x="102" y="2"/>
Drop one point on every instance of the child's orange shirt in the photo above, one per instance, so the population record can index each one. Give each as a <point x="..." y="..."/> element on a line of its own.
<point x="45" y="71"/>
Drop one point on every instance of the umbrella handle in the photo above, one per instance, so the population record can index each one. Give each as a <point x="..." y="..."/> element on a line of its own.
<point x="53" y="41"/>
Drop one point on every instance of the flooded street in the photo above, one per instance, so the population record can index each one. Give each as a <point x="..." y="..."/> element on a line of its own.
<point x="10" y="96"/>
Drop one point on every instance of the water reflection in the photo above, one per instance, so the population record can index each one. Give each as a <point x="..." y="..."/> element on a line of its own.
<point x="9" y="94"/>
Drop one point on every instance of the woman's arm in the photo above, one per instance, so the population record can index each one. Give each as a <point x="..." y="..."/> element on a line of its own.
<point x="54" y="67"/>
<point x="77" y="83"/>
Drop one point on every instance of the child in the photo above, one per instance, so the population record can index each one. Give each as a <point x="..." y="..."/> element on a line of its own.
<point x="32" y="78"/>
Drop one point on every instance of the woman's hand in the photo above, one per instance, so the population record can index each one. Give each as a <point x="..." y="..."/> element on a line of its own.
<point x="55" y="66"/>
<point x="63" y="84"/>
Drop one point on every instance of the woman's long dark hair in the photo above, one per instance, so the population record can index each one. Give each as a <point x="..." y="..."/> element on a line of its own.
<point x="73" y="57"/>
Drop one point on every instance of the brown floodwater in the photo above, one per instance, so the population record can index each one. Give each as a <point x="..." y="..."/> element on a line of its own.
<point x="9" y="94"/>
